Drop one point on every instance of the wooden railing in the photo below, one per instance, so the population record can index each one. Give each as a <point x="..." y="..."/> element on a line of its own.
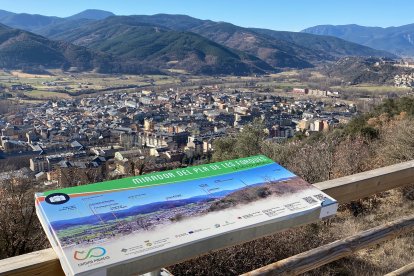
<point x="328" y="253"/>
<point x="407" y="270"/>
<point x="345" y="189"/>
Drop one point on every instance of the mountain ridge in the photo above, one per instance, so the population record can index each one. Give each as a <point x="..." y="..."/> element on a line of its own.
<point x="92" y="14"/>
<point x="125" y="37"/>
<point x="21" y="49"/>
<point x="178" y="42"/>
<point x="277" y="52"/>
<point x="398" y="40"/>
<point x="267" y="48"/>
<point x="327" y="43"/>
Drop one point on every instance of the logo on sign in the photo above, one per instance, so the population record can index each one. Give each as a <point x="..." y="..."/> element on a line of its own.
<point x="95" y="252"/>
<point x="57" y="198"/>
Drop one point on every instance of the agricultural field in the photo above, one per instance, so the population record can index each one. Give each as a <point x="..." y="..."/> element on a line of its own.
<point x="62" y="85"/>
<point x="65" y="85"/>
<point x="372" y="88"/>
<point x="41" y="94"/>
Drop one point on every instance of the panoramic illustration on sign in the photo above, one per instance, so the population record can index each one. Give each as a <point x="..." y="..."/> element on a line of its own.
<point x="128" y="218"/>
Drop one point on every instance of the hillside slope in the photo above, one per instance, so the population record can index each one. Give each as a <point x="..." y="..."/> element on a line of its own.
<point x="261" y="42"/>
<point x="278" y="53"/>
<point x="357" y="70"/>
<point x="161" y="47"/>
<point x="20" y="49"/>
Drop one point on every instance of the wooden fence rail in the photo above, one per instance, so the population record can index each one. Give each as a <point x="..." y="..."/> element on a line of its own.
<point x="357" y="186"/>
<point x="407" y="270"/>
<point x="328" y="253"/>
<point x="345" y="189"/>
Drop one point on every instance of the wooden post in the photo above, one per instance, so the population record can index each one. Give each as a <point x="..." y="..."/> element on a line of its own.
<point x="325" y="254"/>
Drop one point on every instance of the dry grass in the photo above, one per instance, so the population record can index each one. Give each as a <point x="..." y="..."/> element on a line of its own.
<point x="20" y="74"/>
<point x="378" y="89"/>
<point x="37" y="94"/>
<point x="377" y="260"/>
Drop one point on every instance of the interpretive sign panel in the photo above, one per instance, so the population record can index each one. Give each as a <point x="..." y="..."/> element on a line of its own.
<point x="96" y="226"/>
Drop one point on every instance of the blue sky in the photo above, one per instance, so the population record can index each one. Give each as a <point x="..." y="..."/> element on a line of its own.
<point x="289" y="15"/>
<point x="159" y="193"/>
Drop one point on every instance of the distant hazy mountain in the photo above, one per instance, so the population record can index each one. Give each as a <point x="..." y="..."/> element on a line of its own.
<point x="28" y="22"/>
<point x="164" y="48"/>
<point x="397" y="40"/>
<point x="91" y="14"/>
<point x="21" y="49"/>
<point x="35" y="22"/>
<point x="4" y="13"/>
<point x="329" y="44"/>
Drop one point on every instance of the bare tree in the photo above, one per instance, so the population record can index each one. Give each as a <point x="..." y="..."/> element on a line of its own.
<point x="397" y="142"/>
<point x="20" y="230"/>
<point x="352" y="155"/>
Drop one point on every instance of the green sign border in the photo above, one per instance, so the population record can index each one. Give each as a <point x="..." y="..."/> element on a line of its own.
<point x="166" y="177"/>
